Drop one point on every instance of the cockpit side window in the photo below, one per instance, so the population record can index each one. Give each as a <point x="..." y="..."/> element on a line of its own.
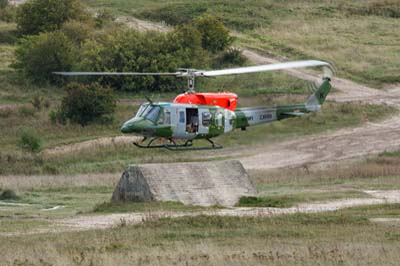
<point x="152" y="115"/>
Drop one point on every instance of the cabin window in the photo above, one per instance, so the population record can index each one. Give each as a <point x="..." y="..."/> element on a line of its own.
<point x="181" y="116"/>
<point x="167" y="117"/>
<point x="219" y="119"/>
<point x="206" y="119"/>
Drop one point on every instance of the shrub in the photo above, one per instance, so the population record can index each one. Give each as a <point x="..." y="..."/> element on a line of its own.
<point x="3" y="3"/>
<point x="132" y="51"/>
<point x="84" y="104"/>
<point x="8" y="13"/>
<point x="57" y="116"/>
<point x="37" y="102"/>
<point x="8" y="194"/>
<point x="30" y="140"/>
<point x="233" y="57"/>
<point x="103" y="17"/>
<point x="214" y="36"/>
<point x="38" y="56"/>
<point x="77" y="31"/>
<point x="37" y="16"/>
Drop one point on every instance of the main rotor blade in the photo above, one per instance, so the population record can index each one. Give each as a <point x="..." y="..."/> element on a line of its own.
<point x="261" y="68"/>
<point x="113" y="74"/>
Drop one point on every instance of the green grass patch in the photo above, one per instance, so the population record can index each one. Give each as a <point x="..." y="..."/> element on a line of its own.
<point x="277" y="202"/>
<point x="292" y="198"/>
<point x="113" y="207"/>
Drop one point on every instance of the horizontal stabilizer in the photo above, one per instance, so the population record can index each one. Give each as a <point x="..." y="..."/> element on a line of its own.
<point x="294" y="113"/>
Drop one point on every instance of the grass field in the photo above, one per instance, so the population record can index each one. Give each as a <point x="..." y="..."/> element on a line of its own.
<point x="358" y="37"/>
<point x="340" y="238"/>
<point x="346" y="237"/>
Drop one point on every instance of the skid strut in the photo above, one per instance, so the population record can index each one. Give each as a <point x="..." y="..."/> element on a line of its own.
<point x="173" y="146"/>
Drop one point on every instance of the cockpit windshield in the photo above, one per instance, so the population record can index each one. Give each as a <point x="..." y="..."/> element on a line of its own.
<point x="142" y="109"/>
<point x="148" y="111"/>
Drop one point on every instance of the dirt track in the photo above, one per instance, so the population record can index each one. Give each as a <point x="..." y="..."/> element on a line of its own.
<point x="112" y="220"/>
<point x="370" y="138"/>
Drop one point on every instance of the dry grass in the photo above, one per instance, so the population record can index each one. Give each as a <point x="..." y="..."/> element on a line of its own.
<point x="341" y="238"/>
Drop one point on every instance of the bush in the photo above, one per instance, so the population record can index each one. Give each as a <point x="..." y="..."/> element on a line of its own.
<point x="214" y="36"/>
<point x="232" y="57"/>
<point x="77" y="31"/>
<point x="56" y="116"/>
<point x="3" y="3"/>
<point x="103" y="17"/>
<point x="30" y="140"/>
<point x="132" y="51"/>
<point x="8" y="194"/>
<point x="84" y="104"/>
<point x="37" y="102"/>
<point x="37" y="16"/>
<point x="8" y="13"/>
<point x="38" y="56"/>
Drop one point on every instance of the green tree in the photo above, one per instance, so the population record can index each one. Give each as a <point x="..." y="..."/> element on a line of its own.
<point x="215" y="37"/>
<point x="3" y="3"/>
<point x="85" y="104"/>
<point x="38" y="56"/>
<point x="132" y="51"/>
<point x="37" y="16"/>
<point x="77" y="31"/>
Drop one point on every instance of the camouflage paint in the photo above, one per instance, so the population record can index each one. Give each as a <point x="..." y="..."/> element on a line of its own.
<point x="219" y="120"/>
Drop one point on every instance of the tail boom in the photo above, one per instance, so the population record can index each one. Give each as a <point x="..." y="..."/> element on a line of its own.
<point x="251" y="116"/>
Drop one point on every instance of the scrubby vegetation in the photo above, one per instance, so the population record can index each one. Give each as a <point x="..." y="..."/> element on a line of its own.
<point x="8" y="194"/>
<point x="36" y="62"/>
<point x="30" y="140"/>
<point x="37" y="16"/>
<point x="86" y="104"/>
<point x="357" y="36"/>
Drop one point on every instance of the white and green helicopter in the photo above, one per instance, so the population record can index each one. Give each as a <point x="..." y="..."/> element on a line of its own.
<point x="194" y="115"/>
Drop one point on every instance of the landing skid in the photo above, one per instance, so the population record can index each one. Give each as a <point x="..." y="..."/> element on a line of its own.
<point x="173" y="146"/>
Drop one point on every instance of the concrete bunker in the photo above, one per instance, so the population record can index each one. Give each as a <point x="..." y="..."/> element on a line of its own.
<point x="195" y="183"/>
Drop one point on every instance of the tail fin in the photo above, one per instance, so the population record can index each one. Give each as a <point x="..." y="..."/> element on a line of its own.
<point x="318" y="97"/>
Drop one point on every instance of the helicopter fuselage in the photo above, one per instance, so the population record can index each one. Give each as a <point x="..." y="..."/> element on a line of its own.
<point x="180" y="121"/>
<point x="191" y="121"/>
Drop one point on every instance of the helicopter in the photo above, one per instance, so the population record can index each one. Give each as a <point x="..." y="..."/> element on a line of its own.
<point x="192" y="116"/>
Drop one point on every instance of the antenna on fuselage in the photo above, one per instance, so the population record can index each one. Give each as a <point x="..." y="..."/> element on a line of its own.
<point x="148" y="99"/>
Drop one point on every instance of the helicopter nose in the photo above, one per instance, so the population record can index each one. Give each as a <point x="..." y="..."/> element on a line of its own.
<point x="128" y="127"/>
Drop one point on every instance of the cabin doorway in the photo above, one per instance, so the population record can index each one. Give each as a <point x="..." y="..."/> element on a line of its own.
<point x="192" y="120"/>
